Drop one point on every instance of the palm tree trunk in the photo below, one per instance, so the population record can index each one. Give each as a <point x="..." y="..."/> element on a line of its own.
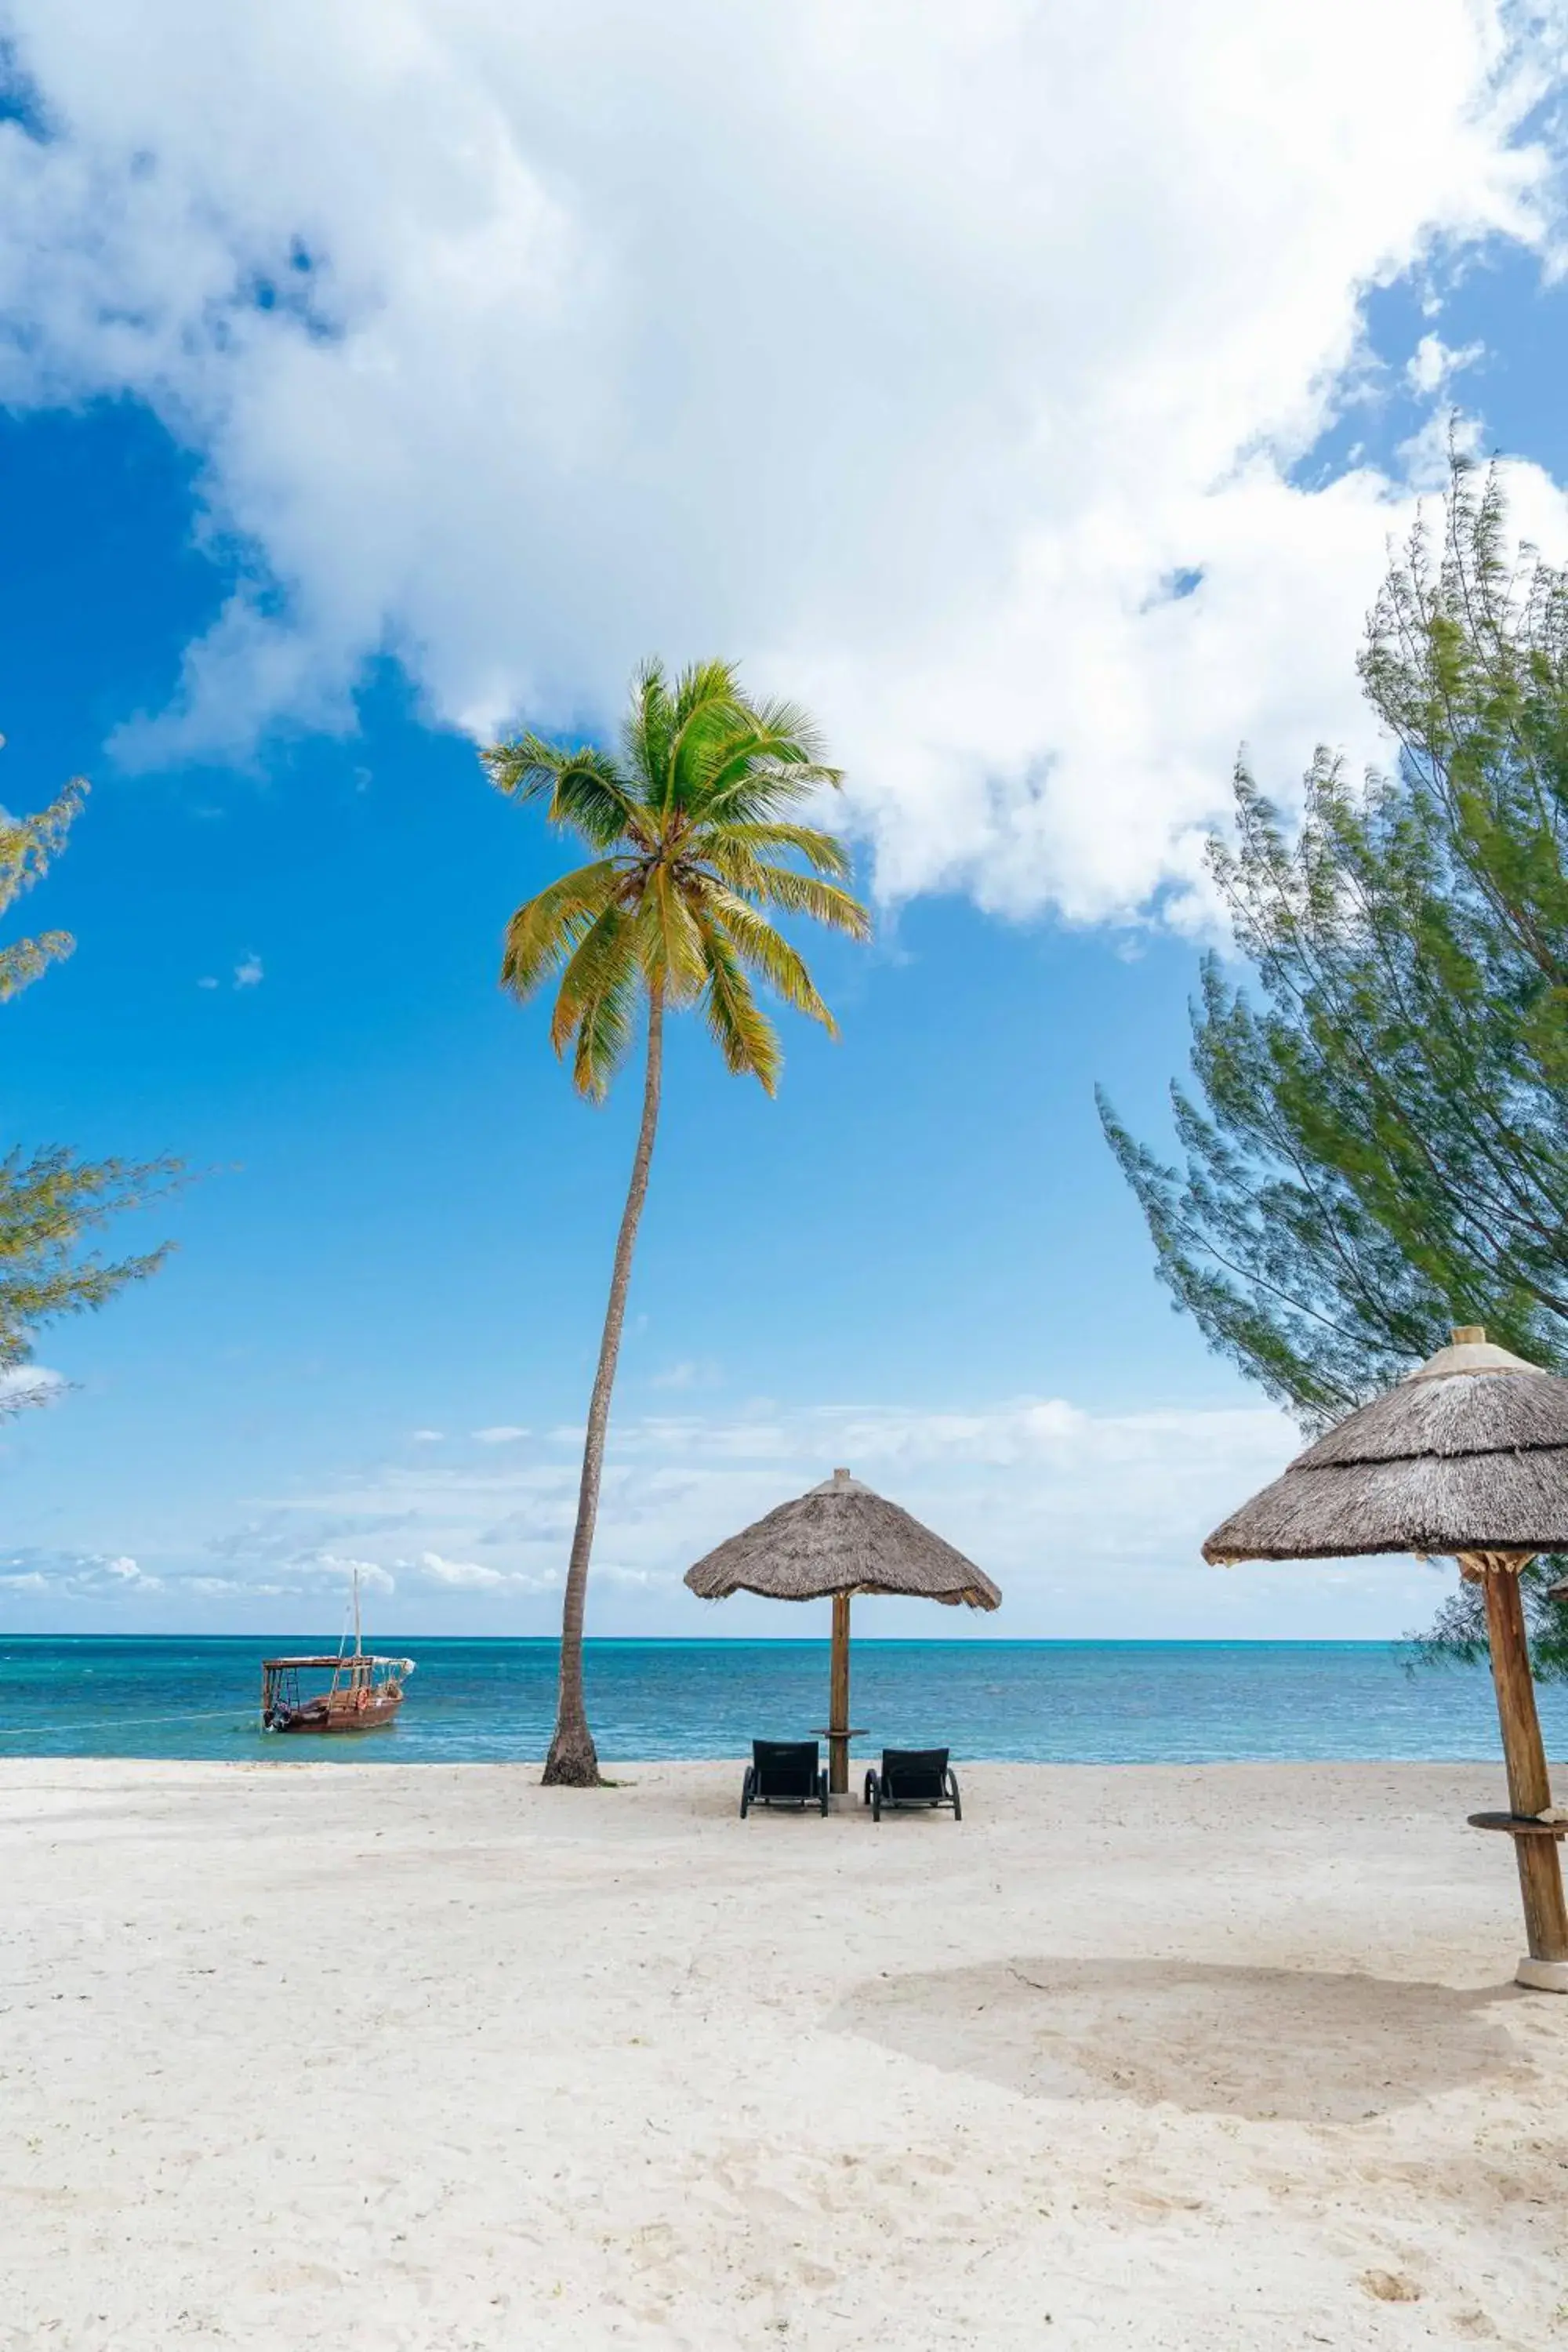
<point x="572" y="1761"/>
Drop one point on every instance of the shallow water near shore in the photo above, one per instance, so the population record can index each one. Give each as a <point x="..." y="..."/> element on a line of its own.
<point x="1036" y="1702"/>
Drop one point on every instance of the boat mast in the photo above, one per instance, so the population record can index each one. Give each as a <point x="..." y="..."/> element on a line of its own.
<point x="358" y="1645"/>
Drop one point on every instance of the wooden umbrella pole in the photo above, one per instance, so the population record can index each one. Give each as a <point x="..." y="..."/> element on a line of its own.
<point x="838" y="1701"/>
<point x="1528" y="1786"/>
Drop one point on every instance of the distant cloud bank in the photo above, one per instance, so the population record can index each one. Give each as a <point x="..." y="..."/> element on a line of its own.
<point x="1090" y="1522"/>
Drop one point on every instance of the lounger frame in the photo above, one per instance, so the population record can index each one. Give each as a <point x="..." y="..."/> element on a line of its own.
<point x="913" y="1776"/>
<point x="785" y="1773"/>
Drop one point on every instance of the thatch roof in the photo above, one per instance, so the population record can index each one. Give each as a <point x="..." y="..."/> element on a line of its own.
<point x="1468" y="1453"/>
<point x="840" y="1537"/>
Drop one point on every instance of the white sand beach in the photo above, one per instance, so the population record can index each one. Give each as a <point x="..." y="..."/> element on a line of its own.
<point x="431" y="2058"/>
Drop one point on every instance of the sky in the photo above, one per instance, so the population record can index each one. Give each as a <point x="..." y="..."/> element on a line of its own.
<point x="1035" y="391"/>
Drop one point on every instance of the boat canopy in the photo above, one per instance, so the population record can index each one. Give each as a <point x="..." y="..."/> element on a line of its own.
<point x="346" y="1658"/>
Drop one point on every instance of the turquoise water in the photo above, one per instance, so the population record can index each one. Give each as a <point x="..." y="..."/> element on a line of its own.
<point x="1045" y="1702"/>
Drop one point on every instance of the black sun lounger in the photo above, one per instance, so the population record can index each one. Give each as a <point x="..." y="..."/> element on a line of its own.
<point x="783" y="1773"/>
<point x="913" y="1776"/>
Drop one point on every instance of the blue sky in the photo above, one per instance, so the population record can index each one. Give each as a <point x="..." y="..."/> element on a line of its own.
<point x="266" y="608"/>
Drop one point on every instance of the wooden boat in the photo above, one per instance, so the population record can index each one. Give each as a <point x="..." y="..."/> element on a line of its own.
<point x="363" y="1692"/>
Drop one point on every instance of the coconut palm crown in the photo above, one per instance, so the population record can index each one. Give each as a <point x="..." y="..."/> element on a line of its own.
<point x="688" y="823"/>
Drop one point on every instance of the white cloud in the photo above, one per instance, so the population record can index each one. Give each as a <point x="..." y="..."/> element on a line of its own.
<point x="106" y="1579"/>
<point x="1432" y="365"/>
<point x="905" y="351"/>
<point x="473" y="1576"/>
<point x="372" y="1576"/>
<point x="248" y="973"/>
<point x="503" y="1434"/>
<point x="207" y="982"/>
<point x="462" y="1574"/>
<point x="77" y="1576"/>
<point x="428" y="1436"/>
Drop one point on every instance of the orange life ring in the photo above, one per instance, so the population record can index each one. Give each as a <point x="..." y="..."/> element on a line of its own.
<point x="362" y="1700"/>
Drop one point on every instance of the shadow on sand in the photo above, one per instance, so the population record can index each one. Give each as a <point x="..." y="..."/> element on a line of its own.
<point x="1259" y="2043"/>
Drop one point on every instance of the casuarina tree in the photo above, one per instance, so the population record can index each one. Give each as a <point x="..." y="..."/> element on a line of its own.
<point x="51" y="1201"/>
<point x="1376" y="1144"/>
<point x="695" y="827"/>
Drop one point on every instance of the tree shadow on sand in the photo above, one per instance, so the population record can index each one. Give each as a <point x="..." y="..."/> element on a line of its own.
<point x="1259" y="2043"/>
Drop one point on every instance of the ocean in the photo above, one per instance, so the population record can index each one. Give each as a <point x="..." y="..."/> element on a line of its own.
<point x="1035" y="1702"/>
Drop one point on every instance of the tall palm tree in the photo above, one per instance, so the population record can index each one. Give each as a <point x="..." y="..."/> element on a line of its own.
<point x="687" y="825"/>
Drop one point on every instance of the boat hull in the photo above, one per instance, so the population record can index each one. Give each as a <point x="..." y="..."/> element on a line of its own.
<point x="337" y="1718"/>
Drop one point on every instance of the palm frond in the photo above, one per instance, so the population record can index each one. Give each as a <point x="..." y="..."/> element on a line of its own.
<point x="525" y="768"/>
<point x="757" y="786"/>
<point x="712" y="717"/>
<point x="712" y="848"/>
<point x="668" y="943"/>
<point x="649" y="732"/>
<point x="548" y="928"/>
<point x="588" y="791"/>
<point x="764" y="950"/>
<point x="804" y="894"/>
<point x="736" y="1021"/>
<point x="791" y="722"/>
<point x="779" y="739"/>
<point x="603" y="959"/>
<point x="603" y="1036"/>
<point x="704" y="684"/>
<point x="823" y="850"/>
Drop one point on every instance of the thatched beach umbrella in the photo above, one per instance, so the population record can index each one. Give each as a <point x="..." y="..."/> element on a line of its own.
<point x="837" y="1540"/>
<point x="1466" y="1458"/>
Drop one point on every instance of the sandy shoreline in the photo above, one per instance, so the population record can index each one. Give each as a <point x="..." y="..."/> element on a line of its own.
<point x="430" y="2058"/>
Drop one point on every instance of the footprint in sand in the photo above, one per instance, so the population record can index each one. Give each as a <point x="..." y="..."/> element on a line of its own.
<point x="1389" y="2286"/>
